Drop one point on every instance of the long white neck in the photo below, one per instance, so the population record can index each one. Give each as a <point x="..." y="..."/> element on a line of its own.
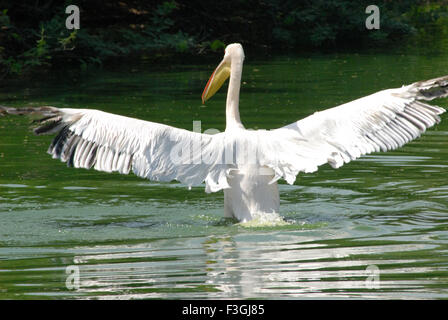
<point x="233" y="95"/>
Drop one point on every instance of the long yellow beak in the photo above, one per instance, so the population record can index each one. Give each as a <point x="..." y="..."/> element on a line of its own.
<point x="218" y="77"/>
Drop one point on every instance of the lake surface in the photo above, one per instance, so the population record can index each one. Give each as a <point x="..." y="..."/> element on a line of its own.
<point x="375" y="228"/>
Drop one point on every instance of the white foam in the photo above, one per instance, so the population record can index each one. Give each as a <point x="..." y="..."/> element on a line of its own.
<point x="265" y="219"/>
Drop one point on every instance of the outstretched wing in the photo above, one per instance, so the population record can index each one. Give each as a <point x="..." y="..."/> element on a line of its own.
<point x="108" y="142"/>
<point x="382" y="121"/>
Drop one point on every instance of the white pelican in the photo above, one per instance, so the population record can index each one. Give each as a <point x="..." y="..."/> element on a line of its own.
<point x="246" y="164"/>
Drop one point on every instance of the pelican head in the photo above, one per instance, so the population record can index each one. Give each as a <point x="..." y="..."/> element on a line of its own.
<point x="233" y="56"/>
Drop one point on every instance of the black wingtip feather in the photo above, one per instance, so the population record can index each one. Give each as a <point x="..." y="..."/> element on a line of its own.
<point x="48" y="127"/>
<point x="70" y="155"/>
<point x="58" y="142"/>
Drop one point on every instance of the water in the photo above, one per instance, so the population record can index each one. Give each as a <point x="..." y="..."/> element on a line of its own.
<point x="375" y="228"/>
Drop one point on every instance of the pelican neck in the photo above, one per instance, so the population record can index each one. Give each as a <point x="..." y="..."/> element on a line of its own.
<point x="233" y="95"/>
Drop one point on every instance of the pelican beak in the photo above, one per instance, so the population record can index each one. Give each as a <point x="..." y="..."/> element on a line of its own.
<point x="221" y="74"/>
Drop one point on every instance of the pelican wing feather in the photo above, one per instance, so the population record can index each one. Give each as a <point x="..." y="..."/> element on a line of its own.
<point x="382" y="121"/>
<point x="108" y="142"/>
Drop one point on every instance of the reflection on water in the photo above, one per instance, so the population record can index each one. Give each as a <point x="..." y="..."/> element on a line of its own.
<point x="296" y="264"/>
<point x="375" y="228"/>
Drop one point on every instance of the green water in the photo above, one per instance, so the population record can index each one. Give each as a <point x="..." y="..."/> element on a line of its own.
<point x="132" y="238"/>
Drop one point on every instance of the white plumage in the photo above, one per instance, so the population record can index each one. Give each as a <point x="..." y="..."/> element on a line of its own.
<point x="246" y="164"/>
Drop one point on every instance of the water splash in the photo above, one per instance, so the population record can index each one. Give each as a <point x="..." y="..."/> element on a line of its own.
<point x="264" y="219"/>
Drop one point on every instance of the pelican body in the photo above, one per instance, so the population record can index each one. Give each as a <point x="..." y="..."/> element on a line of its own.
<point x="251" y="188"/>
<point x="245" y="164"/>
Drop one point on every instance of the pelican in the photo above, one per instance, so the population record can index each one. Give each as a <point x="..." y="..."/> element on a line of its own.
<point x="245" y="164"/>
